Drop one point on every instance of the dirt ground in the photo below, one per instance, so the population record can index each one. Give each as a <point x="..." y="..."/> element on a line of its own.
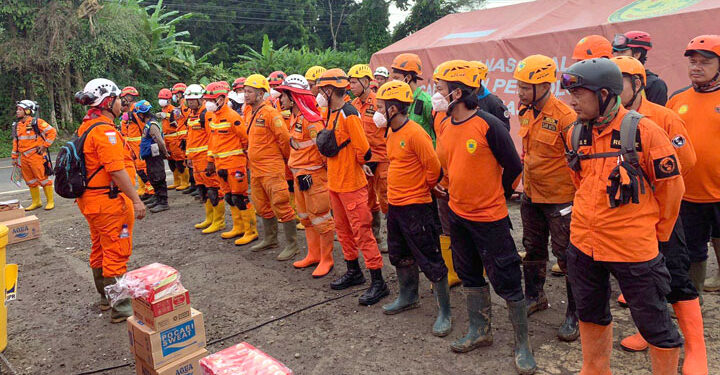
<point x="55" y="327"/>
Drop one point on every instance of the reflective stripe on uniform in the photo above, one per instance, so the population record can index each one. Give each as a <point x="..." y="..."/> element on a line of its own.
<point x="228" y="153"/>
<point x="182" y="132"/>
<point x="221" y="125"/>
<point x="47" y="129"/>
<point x="29" y="152"/>
<point x="134" y="139"/>
<point x="196" y="149"/>
<point x="34" y="180"/>
<point x="27" y="137"/>
<point x="172" y="135"/>
<point x="305" y="144"/>
<point x="303" y="215"/>
<point x="321" y="219"/>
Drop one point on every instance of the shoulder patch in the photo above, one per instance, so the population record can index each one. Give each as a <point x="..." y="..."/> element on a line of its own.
<point x="278" y="121"/>
<point x="111" y="136"/>
<point x="678" y="141"/>
<point x="349" y="110"/>
<point x="666" y="167"/>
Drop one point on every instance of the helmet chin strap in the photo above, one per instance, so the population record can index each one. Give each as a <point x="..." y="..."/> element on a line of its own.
<point x="533" y="104"/>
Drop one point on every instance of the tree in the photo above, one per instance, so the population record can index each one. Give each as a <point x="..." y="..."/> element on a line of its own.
<point x="369" y="24"/>
<point x="425" y="12"/>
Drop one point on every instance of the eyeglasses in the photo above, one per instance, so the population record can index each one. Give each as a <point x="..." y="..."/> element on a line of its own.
<point x="570" y="81"/>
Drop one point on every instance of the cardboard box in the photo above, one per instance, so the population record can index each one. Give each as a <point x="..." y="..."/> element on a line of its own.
<point x="23" y="229"/>
<point x="159" y="348"/>
<point x="165" y="312"/>
<point x="242" y="358"/>
<point x="12" y="214"/>
<point x="12" y="204"/>
<point x="188" y="365"/>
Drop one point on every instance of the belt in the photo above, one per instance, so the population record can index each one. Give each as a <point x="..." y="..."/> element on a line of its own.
<point x="134" y="139"/>
<point x="196" y="149"/>
<point x="225" y="154"/>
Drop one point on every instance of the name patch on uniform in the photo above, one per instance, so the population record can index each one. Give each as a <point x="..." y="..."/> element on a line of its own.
<point x="666" y="167"/>
<point x="370" y="111"/>
<point x="260" y="122"/>
<point x="524" y="122"/>
<point x="549" y="123"/>
<point x="112" y="138"/>
<point x="298" y="127"/>
<point x="615" y="141"/>
<point x="471" y="145"/>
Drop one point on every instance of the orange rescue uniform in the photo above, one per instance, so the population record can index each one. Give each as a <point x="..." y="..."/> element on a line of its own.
<point x="628" y="233"/>
<point x="173" y="133"/>
<point x="226" y="149"/>
<point x="110" y="216"/>
<point x="377" y="184"/>
<point x="414" y="166"/>
<point x="196" y="150"/>
<point x="25" y="144"/>
<point x="675" y="128"/>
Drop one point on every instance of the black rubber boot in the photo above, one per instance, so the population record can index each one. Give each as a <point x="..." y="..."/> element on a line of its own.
<point x="569" y="330"/>
<point x="377" y="291"/>
<point x="160" y="205"/>
<point x="535" y="274"/>
<point x="190" y="190"/>
<point x="443" y="323"/>
<point x="99" y="280"/>
<point x="524" y="360"/>
<point x="353" y="276"/>
<point x="480" y="317"/>
<point x="408" y="280"/>
<point x="150" y="203"/>
<point x="145" y="197"/>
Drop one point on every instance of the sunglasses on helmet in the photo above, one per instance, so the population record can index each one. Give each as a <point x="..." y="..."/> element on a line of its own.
<point x="622" y="43"/>
<point x="570" y="81"/>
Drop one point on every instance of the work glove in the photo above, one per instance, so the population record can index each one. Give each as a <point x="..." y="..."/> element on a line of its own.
<point x="624" y="185"/>
<point x="210" y="169"/>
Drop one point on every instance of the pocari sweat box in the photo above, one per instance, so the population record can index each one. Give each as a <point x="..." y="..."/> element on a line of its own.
<point x="158" y="348"/>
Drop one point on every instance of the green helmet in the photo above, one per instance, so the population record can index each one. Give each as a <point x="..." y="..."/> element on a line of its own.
<point x="594" y="75"/>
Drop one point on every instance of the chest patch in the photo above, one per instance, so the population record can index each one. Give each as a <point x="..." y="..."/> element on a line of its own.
<point x="683" y="109"/>
<point x="471" y="145"/>
<point x="549" y="123"/>
<point x="402" y="143"/>
<point x="370" y="111"/>
<point x="615" y="141"/>
<point x="298" y="127"/>
<point x="260" y="122"/>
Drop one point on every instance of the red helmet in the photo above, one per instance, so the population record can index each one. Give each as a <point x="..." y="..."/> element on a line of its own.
<point x="165" y="94"/>
<point x="179" y="87"/>
<point x="129" y="90"/>
<point x="239" y="83"/>
<point x="216" y="89"/>
<point x="277" y="77"/>
<point x="632" y="39"/>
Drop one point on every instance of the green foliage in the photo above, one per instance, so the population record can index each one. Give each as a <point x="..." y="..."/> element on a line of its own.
<point x="425" y="12"/>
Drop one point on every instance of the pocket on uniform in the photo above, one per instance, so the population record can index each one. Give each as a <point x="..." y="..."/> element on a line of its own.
<point x="547" y="137"/>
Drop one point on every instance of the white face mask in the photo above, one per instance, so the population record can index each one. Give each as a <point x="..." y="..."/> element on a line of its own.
<point x="174" y="98"/>
<point x="380" y="120"/>
<point x="211" y="106"/>
<point x="321" y="101"/>
<point x="241" y="97"/>
<point x="163" y="102"/>
<point x="439" y="103"/>
<point x="274" y="93"/>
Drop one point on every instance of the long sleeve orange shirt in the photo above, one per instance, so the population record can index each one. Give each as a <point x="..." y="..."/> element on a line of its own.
<point x="375" y="135"/>
<point x="228" y="138"/>
<point x="304" y="154"/>
<point x="269" y="141"/>
<point x="345" y="172"/>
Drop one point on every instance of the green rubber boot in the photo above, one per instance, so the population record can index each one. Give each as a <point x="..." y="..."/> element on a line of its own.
<point x="122" y="309"/>
<point x="524" y="360"/>
<point x="291" y="247"/>
<point x="408" y="280"/>
<point x="269" y="239"/>
<point x="480" y="316"/>
<point x="697" y="274"/>
<point x="443" y="323"/>
<point x="104" y="304"/>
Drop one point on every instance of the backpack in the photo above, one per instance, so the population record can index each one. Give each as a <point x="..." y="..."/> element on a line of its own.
<point x="71" y="178"/>
<point x="326" y="141"/>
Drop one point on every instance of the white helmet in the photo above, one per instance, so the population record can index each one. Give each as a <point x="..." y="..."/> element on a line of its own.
<point x="382" y="71"/>
<point x="96" y="91"/>
<point x="28" y="105"/>
<point x="194" y="91"/>
<point x="237" y="98"/>
<point x="295" y="82"/>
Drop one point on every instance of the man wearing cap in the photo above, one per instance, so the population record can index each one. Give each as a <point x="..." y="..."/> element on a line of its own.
<point x="637" y="44"/>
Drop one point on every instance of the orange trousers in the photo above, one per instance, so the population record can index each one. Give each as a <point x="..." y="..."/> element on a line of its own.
<point x="313" y="205"/>
<point x="235" y="183"/>
<point x="377" y="188"/>
<point x="353" y="223"/>
<point x="111" y="234"/>
<point x="199" y="164"/>
<point x="173" y="148"/>
<point x="271" y="197"/>
<point x="33" y="170"/>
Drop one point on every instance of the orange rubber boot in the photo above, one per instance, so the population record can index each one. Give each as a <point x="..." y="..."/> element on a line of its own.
<point x="621" y="301"/>
<point x="313" y="248"/>
<point x="596" y="343"/>
<point x="691" y="325"/>
<point x="326" y="255"/>
<point x="634" y="343"/>
<point x="664" y="360"/>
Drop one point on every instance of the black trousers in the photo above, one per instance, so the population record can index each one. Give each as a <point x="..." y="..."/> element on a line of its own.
<point x="156" y="174"/>
<point x="540" y="222"/>
<point x="644" y="285"/>
<point x="677" y="262"/>
<point x="414" y="239"/>
<point x="700" y="221"/>
<point x="476" y="245"/>
<point x="178" y="165"/>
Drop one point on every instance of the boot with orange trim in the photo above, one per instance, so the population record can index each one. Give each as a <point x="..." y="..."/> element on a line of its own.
<point x="313" y="247"/>
<point x="250" y="221"/>
<point x="691" y="325"/>
<point x="664" y="360"/>
<point x="326" y="255"/>
<point x="596" y="343"/>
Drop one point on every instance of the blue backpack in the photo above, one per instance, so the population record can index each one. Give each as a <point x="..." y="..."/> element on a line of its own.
<point x="71" y="179"/>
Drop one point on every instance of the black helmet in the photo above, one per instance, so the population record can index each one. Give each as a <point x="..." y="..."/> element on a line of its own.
<point x="594" y="75"/>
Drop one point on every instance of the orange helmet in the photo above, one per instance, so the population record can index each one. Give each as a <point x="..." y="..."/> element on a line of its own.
<point x="333" y="77"/>
<point x="630" y="66"/>
<point x="216" y="90"/>
<point x="482" y="69"/>
<point x="536" y="69"/>
<point x="165" y="94"/>
<point x="458" y="71"/>
<point x="592" y="46"/>
<point x="408" y="62"/>
<point x="277" y="77"/>
<point x="239" y="83"/>
<point x="395" y="90"/>
<point x="706" y="45"/>
<point x="129" y="90"/>
<point x="179" y="87"/>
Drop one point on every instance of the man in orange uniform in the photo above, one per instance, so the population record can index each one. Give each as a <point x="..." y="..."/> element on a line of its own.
<point x="197" y="146"/>
<point x="238" y="85"/>
<point x="171" y="134"/>
<point x="110" y="204"/>
<point x="181" y="115"/>
<point x="310" y="173"/>
<point x="413" y="240"/>
<point x="627" y="200"/>
<point x="699" y="107"/>
<point x="268" y="149"/>
<point x="275" y="79"/>
<point x="31" y="139"/>
<point x="360" y="76"/>
<point x="345" y="145"/>
<point x="228" y="162"/>
<point x="475" y="143"/>
<point x="548" y="189"/>
<point x="592" y="46"/>
<point x="683" y="296"/>
<point x="131" y="128"/>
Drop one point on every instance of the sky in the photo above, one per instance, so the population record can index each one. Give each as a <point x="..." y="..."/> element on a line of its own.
<point x="397" y="15"/>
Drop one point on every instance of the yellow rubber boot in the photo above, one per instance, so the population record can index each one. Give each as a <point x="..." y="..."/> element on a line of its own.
<point x="251" y="233"/>
<point x="184" y="180"/>
<point x="141" y="188"/>
<point x="50" y="197"/>
<point x="35" y="195"/>
<point x="150" y="190"/>
<point x="208" y="216"/>
<point x="176" y="180"/>
<point x="238" y="228"/>
<point x="218" y="219"/>
<point x="453" y="278"/>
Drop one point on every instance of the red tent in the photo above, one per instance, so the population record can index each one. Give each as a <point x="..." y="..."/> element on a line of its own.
<point x="501" y="37"/>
